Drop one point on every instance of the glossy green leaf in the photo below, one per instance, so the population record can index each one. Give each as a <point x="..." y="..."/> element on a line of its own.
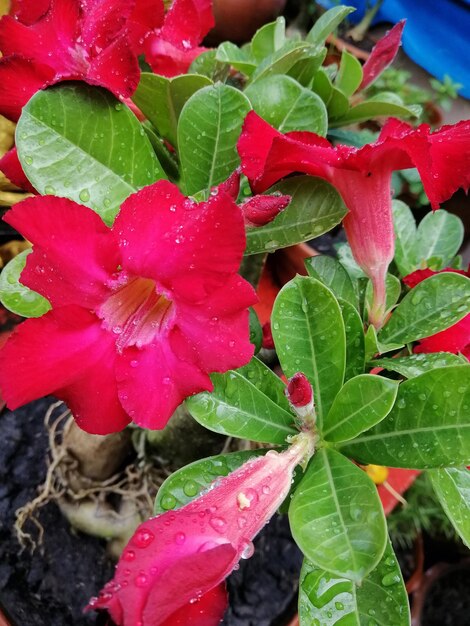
<point x="322" y="85"/>
<point x="99" y="161"/>
<point x="361" y="403"/>
<point x="268" y="39"/>
<point x="327" y="23"/>
<point x="16" y="297"/>
<point x="381" y="598"/>
<point x="256" y="332"/>
<point x="428" y="427"/>
<point x="288" y="106"/>
<point x="190" y="481"/>
<point x="282" y="60"/>
<point x="305" y="69"/>
<point x="336" y="517"/>
<point x="440" y="235"/>
<point x="338" y="105"/>
<point x="452" y="487"/>
<point x="345" y="257"/>
<point x="405" y="236"/>
<point x="393" y="292"/>
<point x="316" y="207"/>
<point x="355" y="341"/>
<point x="374" y="108"/>
<point x="433" y="305"/>
<point x="208" y="130"/>
<point x="247" y="403"/>
<point x="349" y="76"/>
<point x="416" y="364"/>
<point x="238" y="58"/>
<point x="332" y="274"/>
<point x="308" y="331"/>
<point x="161" y="99"/>
<point x="165" y="157"/>
<point x="374" y="347"/>
<point x="206" y="64"/>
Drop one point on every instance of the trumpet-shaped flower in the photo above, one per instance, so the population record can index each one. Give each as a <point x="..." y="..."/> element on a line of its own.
<point x="363" y="178"/>
<point x="454" y="339"/>
<point x="173" y="569"/>
<point x="141" y="312"/>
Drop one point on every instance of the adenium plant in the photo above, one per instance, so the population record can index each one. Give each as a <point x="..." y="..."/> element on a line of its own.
<point x="150" y="215"/>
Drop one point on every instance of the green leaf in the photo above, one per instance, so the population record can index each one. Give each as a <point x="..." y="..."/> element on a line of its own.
<point x="256" y="332"/>
<point x="208" y="130"/>
<point x="228" y="52"/>
<point x="373" y="108"/>
<point x="322" y="85"/>
<point x="373" y="346"/>
<point x="428" y="427"/>
<point x="440" y="235"/>
<point x="308" y="331"/>
<point x="393" y="292"/>
<point x="345" y="257"/>
<point x="361" y="403"/>
<point x="349" y="76"/>
<point x="355" y="341"/>
<point x="287" y="106"/>
<point x="381" y="598"/>
<point x="206" y="64"/>
<point x="161" y="99"/>
<point x="282" y="60"/>
<point x="165" y="157"/>
<point x="304" y="70"/>
<point x="452" y="487"/>
<point x="98" y="162"/>
<point x="416" y="364"/>
<point x="327" y="23"/>
<point x="433" y="305"/>
<point x="332" y="274"/>
<point x="405" y="236"/>
<point x="336" y="517"/>
<point x="190" y="481"/>
<point x="16" y="297"/>
<point x="268" y="39"/>
<point x="338" y="105"/>
<point x="247" y="403"/>
<point x="316" y="207"/>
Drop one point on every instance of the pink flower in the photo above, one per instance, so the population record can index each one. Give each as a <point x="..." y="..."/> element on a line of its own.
<point x="171" y="49"/>
<point x="141" y="312"/>
<point x="174" y="566"/>
<point x="363" y="178"/>
<point x="90" y="40"/>
<point x="454" y="339"/>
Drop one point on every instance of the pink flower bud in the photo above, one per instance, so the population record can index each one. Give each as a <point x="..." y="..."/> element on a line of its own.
<point x="299" y="392"/>
<point x="261" y="210"/>
<point x="268" y="341"/>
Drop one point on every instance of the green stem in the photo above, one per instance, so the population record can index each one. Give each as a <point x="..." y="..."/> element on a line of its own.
<point x="357" y="33"/>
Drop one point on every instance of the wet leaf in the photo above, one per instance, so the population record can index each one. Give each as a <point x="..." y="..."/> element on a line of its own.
<point x="332" y="274"/>
<point x="327" y="23"/>
<point x="440" y="235"/>
<point x="355" y="340"/>
<point x="416" y="364"/>
<point x="405" y="236"/>
<point x="452" y="487"/>
<point x="16" y="297"/>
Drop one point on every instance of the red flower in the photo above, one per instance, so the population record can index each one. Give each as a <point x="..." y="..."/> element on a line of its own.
<point x="171" y="49"/>
<point x="141" y="312"/>
<point x="173" y="568"/>
<point x="90" y="40"/>
<point x="363" y="178"/>
<point x="454" y="339"/>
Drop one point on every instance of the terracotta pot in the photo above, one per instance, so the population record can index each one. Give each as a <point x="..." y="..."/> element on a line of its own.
<point x="238" y="20"/>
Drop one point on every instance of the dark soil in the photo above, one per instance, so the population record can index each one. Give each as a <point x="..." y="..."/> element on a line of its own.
<point x="51" y="586"/>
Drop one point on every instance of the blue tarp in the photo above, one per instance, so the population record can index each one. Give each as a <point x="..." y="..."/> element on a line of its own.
<point x="436" y="35"/>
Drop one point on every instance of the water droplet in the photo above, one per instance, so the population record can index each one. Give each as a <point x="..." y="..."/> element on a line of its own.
<point x="143" y="538"/>
<point x="190" y="488"/>
<point x="168" y="502"/>
<point x="129" y="555"/>
<point x="339" y="606"/>
<point x="28" y="160"/>
<point x="247" y="550"/>
<point x="134" y="363"/>
<point x="180" y="538"/>
<point x="218" y="523"/>
<point x="49" y="190"/>
<point x="141" y="580"/>
<point x="390" y="579"/>
<point x="84" y="195"/>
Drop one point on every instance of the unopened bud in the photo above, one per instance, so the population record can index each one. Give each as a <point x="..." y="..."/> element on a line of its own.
<point x="261" y="210"/>
<point x="299" y="392"/>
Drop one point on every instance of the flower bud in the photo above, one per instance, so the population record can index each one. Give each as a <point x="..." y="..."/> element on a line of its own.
<point x="299" y="392"/>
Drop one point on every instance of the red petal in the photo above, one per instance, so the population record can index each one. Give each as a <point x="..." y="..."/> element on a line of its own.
<point x="231" y="186"/>
<point x="116" y="68"/>
<point x="200" y="571"/>
<point x="382" y="54"/>
<point x="29" y="11"/>
<point x="187" y="22"/>
<point x="104" y="21"/>
<point x="11" y="167"/>
<point x="217" y="331"/>
<point x="146" y="17"/>
<point x="20" y="80"/>
<point x="190" y="249"/>
<point x="207" y="611"/>
<point x="167" y="59"/>
<point x="418" y="276"/>
<point x="67" y="353"/>
<point x="261" y="210"/>
<point x="454" y="339"/>
<point x="74" y="253"/>
<point x="153" y="382"/>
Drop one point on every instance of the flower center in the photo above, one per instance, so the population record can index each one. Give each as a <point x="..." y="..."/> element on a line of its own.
<point x="135" y="313"/>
